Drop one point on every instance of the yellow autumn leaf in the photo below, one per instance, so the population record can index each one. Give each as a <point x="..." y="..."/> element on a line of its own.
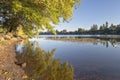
<point x="24" y="76"/>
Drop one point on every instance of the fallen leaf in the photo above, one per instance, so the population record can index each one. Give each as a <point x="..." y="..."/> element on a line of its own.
<point x="5" y="72"/>
<point x="9" y="79"/>
<point x="24" y="76"/>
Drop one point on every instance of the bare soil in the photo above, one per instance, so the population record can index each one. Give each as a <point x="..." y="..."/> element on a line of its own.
<point x="8" y="69"/>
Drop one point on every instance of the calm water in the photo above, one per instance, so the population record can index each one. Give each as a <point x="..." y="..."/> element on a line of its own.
<point x="99" y="60"/>
<point x="79" y="36"/>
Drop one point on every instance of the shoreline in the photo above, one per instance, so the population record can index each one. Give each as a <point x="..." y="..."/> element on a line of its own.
<point x="8" y="69"/>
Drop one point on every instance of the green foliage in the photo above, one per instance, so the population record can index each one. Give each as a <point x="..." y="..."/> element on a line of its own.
<point x="20" y="31"/>
<point x="1" y="30"/>
<point x="41" y="13"/>
<point x="104" y="29"/>
<point x="94" y="27"/>
<point x="41" y="65"/>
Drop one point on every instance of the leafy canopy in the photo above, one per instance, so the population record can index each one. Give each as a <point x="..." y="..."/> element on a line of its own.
<point x="35" y="14"/>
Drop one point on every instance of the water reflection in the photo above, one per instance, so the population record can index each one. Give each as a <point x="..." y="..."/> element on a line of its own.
<point x="41" y="65"/>
<point x="20" y="46"/>
<point x="92" y="58"/>
<point x="111" y="42"/>
<point x="114" y="42"/>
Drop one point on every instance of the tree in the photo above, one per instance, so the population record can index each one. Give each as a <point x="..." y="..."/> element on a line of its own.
<point x="41" y="13"/>
<point x="112" y="28"/>
<point x="101" y="28"/>
<point x="64" y="31"/>
<point x="81" y="30"/>
<point x="118" y="29"/>
<point x="94" y="27"/>
<point x="106" y="24"/>
<point x="104" y="28"/>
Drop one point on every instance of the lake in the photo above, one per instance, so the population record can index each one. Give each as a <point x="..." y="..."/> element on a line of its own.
<point x="92" y="58"/>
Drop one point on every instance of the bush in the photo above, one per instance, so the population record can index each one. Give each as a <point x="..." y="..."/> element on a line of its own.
<point x="41" y="65"/>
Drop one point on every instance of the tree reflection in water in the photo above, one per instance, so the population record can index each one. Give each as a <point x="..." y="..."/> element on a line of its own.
<point x="41" y="65"/>
<point x="110" y="42"/>
<point x="114" y="42"/>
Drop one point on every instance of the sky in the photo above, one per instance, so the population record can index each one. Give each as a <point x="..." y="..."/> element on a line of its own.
<point x="93" y="12"/>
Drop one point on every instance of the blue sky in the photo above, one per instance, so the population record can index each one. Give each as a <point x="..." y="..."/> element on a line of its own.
<point x="93" y="12"/>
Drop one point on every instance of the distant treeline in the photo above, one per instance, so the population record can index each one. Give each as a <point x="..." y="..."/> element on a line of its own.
<point x="104" y="29"/>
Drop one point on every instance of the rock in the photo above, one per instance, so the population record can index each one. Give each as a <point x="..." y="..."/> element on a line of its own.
<point x="2" y="39"/>
<point x="15" y="39"/>
<point x="9" y="79"/>
<point x="7" y="37"/>
<point x="23" y="65"/>
<point x="10" y="34"/>
<point x="23" y="36"/>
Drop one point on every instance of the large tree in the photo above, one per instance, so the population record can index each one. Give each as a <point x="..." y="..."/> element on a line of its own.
<point x="94" y="27"/>
<point x="38" y="14"/>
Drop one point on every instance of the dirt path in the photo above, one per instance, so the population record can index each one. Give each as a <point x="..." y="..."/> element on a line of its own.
<point x="8" y="69"/>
